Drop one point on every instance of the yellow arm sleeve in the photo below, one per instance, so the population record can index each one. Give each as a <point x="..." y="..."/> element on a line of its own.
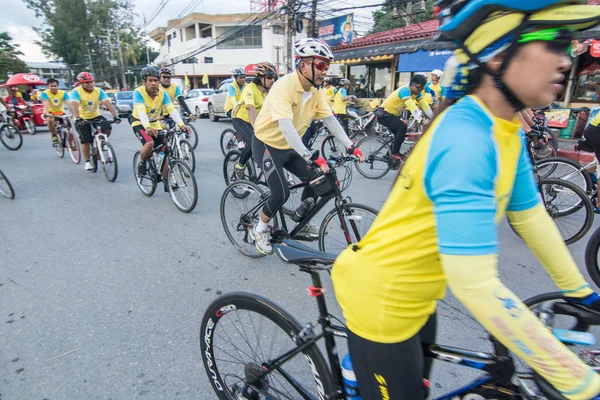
<point x="474" y="281"/>
<point x="170" y="108"/>
<point x="410" y="105"/>
<point x="541" y="235"/>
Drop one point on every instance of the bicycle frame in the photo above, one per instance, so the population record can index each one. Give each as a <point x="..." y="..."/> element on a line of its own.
<point x="99" y="137"/>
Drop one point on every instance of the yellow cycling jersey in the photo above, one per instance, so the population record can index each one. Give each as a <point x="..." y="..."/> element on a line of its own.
<point x="88" y="102"/>
<point x="439" y="227"/>
<point x="153" y="107"/>
<point x="402" y="99"/>
<point x="596" y="120"/>
<point x="251" y="96"/>
<point x="56" y="102"/>
<point x="339" y="105"/>
<point x="234" y="93"/>
<point x="329" y="95"/>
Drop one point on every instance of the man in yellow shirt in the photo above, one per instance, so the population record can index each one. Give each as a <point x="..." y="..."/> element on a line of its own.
<point x="339" y="103"/>
<point x="174" y="91"/>
<point x="85" y="105"/>
<point x="235" y="90"/>
<point x="329" y="91"/>
<point x="54" y="105"/>
<point x="287" y="112"/>
<point x="246" y="111"/>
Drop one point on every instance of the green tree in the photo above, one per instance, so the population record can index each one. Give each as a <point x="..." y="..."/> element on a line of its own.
<point x="384" y="18"/>
<point x="9" y="57"/>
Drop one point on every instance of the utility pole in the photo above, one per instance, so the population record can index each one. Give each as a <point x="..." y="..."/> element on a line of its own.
<point x="289" y="34"/>
<point x="121" y="58"/>
<point x="278" y="63"/>
<point x="314" y="31"/>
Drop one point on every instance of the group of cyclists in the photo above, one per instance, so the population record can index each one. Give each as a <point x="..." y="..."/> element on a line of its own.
<point x="439" y="225"/>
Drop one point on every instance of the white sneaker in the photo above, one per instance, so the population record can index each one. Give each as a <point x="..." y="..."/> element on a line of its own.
<point x="89" y="166"/>
<point x="262" y="241"/>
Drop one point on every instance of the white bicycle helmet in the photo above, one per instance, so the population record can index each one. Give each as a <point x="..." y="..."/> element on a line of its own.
<point x="344" y="82"/>
<point x="310" y="47"/>
<point x="437" y="72"/>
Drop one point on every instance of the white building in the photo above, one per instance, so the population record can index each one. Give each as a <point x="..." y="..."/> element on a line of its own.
<point x="50" y="69"/>
<point x="264" y="41"/>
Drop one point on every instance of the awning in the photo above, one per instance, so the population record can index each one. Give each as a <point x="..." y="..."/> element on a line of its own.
<point x="371" y="53"/>
<point x="423" y="60"/>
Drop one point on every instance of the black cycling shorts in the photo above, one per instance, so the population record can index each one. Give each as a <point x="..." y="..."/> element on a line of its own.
<point x="246" y="132"/>
<point x="392" y="370"/>
<point x="143" y="137"/>
<point x="85" y="130"/>
<point x="592" y="136"/>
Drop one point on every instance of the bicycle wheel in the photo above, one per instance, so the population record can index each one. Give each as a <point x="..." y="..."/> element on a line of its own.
<point x="293" y="202"/>
<point x="187" y="154"/>
<point x="541" y="149"/>
<point x="146" y="183"/>
<point x="376" y="163"/>
<point x="331" y="146"/>
<point x="110" y="165"/>
<point x="231" y="159"/>
<point x="240" y="214"/>
<point x="229" y="141"/>
<point x="567" y="170"/>
<point x="6" y="188"/>
<point x="182" y="186"/>
<point x="569" y="206"/>
<point x="59" y="147"/>
<point x="241" y="334"/>
<point x="10" y="137"/>
<point x="333" y="237"/>
<point x="73" y="146"/>
<point x="192" y="137"/>
<point x="30" y="126"/>
<point x="592" y="255"/>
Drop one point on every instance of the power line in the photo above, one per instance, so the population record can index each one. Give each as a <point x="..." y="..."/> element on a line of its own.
<point x="164" y="3"/>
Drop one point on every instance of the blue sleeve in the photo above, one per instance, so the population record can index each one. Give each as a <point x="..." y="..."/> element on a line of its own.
<point x="178" y="92"/>
<point x="137" y="97"/>
<point x="404" y="93"/>
<point x="166" y="100"/>
<point x="103" y="95"/>
<point x="231" y="91"/>
<point x="66" y="96"/>
<point x="443" y="93"/>
<point x="344" y="92"/>
<point x="75" y="96"/>
<point x="462" y="188"/>
<point x="44" y="96"/>
<point x="524" y="194"/>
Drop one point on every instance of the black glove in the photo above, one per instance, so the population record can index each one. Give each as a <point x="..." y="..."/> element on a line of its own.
<point x="117" y="120"/>
<point x="79" y="121"/>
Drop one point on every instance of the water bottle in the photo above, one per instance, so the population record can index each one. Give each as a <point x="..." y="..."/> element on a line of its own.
<point x="161" y="156"/>
<point x="350" y="384"/>
<point x="303" y="209"/>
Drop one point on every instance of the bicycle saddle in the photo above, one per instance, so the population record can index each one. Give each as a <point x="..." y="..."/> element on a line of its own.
<point x="295" y="253"/>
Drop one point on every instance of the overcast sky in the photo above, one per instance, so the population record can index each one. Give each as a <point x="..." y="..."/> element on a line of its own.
<point x="20" y="22"/>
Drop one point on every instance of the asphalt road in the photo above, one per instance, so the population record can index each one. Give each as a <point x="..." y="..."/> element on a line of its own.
<point x="102" y="289"/>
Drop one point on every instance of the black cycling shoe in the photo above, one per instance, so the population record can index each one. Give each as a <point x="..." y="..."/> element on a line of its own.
<point x="142" y="170"/>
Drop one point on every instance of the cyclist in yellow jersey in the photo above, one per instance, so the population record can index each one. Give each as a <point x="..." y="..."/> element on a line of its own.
<point x="85" y="105"/>
<point x="250" y="104"/>
<point x="235" y="90"/>
<point x="174" y="92"/>
<point x="329" y="91"/>
<point x="434" y="89"/>
<point x="340" y="100"/>
<point x="149" y="102"/>
<point x="293" y="102"/>
<point x="54" y="105"/>
<point x="439" y="226"/>
<point x="390" y="112"/>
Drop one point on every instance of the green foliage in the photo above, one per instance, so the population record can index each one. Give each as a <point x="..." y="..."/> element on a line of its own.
<point x="9" y="57"/>
<point x="384" y="19"/>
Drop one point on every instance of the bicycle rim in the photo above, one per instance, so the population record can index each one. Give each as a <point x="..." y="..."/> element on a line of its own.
<point x="182" y="186"/>
<point x="569" y="206"/>
<point x="193" y="137"/>
<point x="73" y="147"/>
<point x="376" y="163"/>
<point x="187" y="154"/>
<point x="231" y="159"/>
<point x="241" y="334"/>
<point x="146" y="184"/>
<point x="293" y="202"/>
<point x="59" y="147"/>
<point x="331" y="147"/>
<point x="10" y="137"/>
<point x="6" y="188"/>
<point x="339" y="231"/>
<point x="565" y="169"/>
<point x="110" y="166"/>
<point x="30" y="126"/>
<point x="228" y="141"/>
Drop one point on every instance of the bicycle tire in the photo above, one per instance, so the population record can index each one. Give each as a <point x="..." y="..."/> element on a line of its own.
<point x="146" y="184"/>
<point x="542" y="150"/>
<point x="237" y="230"/>
<point x="7" y="133"/>
<point x="192" y="137"/>
<point x="229" y="163"/>
<point x="564" y="168"/>
<point x="293" y="202"/>
<point x="328" y="243"/>
<point x="591" y="257"/>
<point x="584" y="202"/>
<point x="180" y="173"/>
<point x="187" y="154"/>
<point x="30" y="126"/>
<point x="110" y="167"/>
<point x="310" y="367"/>
<point x="330" y="146"/>
<point x="228" y="141"/>
<point x="6" y="188"/>
<point x="372" y="160"/>
<point x="73" y="146"/>
<point x="59" y="147"/>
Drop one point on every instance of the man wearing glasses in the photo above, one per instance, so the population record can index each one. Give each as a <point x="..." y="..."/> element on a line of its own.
<point x="174" y="91"/>
<point x="391" y="110"/>
<point x="293" y="102"/>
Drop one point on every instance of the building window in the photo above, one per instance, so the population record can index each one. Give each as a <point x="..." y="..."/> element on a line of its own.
<point x="208" y="60"/>
<point x="175" y="35"/>
<point x="243" y="37"/>
<point x="371" y="80"/>
<point x="206" y="33"/>
<point x="278" y="30"/>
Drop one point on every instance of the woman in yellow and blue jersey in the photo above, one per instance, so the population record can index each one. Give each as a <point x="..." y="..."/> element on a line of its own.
<point x="440" y="224"/>
<point x="235" y="90"/>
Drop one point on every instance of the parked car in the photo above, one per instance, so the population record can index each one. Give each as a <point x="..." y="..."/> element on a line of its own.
<point x="216" y="103"/>
<point x="111" y="96"/>
<point x="123" y="102"/>
<point x="197" y="101"/>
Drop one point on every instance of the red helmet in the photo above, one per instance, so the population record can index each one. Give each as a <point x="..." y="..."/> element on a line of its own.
<point x="84" y="77"/>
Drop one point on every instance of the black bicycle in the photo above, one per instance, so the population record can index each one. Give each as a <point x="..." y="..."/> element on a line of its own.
<point x="6" y="188"/>
<point x="346" y="223"/>
<point x="101" y="150"/>
<point x="252" y="348"/>
<point x="180" y="181"/>
<point x="66" y="139"/>
<point x="230" y="140"/>
<point x="10" y="136"/>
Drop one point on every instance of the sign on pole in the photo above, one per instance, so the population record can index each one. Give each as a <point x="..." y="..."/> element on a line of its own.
<point x="338" y="30"/>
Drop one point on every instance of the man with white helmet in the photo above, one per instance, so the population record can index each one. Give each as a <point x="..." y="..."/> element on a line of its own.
<point x="437" y="91"/>
<point x="235" y="90"/>
<point x="287" y="112"/>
